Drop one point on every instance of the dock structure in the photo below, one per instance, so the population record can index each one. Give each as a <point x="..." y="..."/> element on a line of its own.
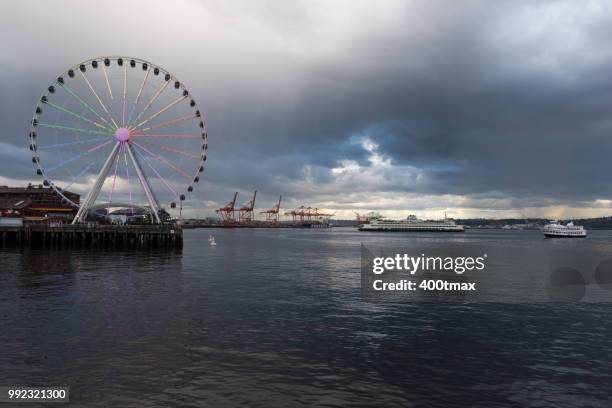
<point x="162" y="237"/>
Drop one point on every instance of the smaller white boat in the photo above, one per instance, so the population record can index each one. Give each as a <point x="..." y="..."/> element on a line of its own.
<point x="211" y="240"/>
<point x="557" y="230"/>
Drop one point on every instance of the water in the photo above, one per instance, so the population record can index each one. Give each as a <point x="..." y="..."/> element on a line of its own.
<point x="274" y="318"/>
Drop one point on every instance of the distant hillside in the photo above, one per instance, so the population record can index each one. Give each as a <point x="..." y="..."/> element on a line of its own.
<point x="589" y="223"/>
<point x="344" y="223"/>
<point x="595" y="223"/>
<point x="474" y="222"/>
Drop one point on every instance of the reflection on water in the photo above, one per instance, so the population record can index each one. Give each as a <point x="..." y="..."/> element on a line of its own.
<point x="275" y="318"/>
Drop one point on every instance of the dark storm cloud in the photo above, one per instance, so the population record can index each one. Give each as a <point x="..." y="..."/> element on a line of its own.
<point x="527" y="120"/>
<point x="485" y="100"/>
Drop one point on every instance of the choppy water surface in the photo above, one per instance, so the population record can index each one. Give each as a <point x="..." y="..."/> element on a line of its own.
<point x="274" y="318"/>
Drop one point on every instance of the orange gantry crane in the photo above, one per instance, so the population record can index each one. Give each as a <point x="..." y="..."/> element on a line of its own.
<point x="297" y="214"/>
<point x="273" y="214"/>
<point x="316" y="215"/>
<point x="306" y="214"/>
<point x="227" y="212"/>
<point x="245" y="213"/>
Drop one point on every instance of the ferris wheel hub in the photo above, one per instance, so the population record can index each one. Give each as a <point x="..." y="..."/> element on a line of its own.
<point x="122" y="134"/>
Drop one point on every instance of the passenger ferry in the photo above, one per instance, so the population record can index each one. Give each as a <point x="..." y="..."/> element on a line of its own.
<point x="412" y="224"/>
<point x="557" y="230"/>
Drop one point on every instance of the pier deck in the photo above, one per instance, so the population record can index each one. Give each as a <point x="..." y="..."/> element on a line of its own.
<point x="93" y="236"/>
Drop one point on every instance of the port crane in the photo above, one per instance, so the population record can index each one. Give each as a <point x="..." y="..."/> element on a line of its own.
<point x="227" y="212"/>
<point x="245" y="213"/>
<point x="297" y="214"/>
<point x="307" y="214"/>
<point x="316" y="215"/>
<point x="273" y="214"/>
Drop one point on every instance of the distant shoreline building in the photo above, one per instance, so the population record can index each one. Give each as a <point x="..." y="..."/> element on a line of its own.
<point x="35" y="204"/>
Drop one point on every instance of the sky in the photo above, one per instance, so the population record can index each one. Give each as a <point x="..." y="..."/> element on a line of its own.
<point x="472" y="108"/>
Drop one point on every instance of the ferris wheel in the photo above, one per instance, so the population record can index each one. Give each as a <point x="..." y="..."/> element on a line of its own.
<point x="119" y="131"/>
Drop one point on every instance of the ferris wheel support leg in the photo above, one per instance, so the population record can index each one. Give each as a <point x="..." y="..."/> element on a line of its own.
<point x="95" y="190"/>
<point x="145" y="184"/>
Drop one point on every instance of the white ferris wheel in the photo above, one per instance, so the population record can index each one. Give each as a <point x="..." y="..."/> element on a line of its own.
<point x="121" y="132"/>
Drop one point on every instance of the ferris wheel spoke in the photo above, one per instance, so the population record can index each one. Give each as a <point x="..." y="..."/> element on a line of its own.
<point x="170" y="105"/>
<point x="110" y="91"/>
<point x="74" y="114"/>
<point x="153" y="99"/>
<point x="85" y="104"/>
<point x="135" y="103"/>
<point x="143" y="181"/>
<point x="182" y="153"/>
<point x="99" y="146"/>
<point x="79" y="175"/>
<point x="76" y="157"/>
<point x="172" y="150"/>
<point x="170" y="122"/>
<point x="163" y="180"/>
<point x="167" y="136"/>
<point x="124" y="93"/>
<point x="131" y="112"/>
<point x="98" y="98"/>
<point x="73" y="129"/>
<point x="110" y="195"/>
<point x="76" y="142"/>
<point x="95" y="190"/>
<point x="127" y="176"/>
<point x="166" y="162"/>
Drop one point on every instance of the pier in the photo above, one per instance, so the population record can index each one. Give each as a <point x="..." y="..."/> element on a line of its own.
<point x="163" y="237"/>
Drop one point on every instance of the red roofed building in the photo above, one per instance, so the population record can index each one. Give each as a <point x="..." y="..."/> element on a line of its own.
<point x="36" y="203"/>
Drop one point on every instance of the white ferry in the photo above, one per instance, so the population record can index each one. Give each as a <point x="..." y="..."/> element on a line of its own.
<point x="412" y="224"/>
<point x="557" y="230"/>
